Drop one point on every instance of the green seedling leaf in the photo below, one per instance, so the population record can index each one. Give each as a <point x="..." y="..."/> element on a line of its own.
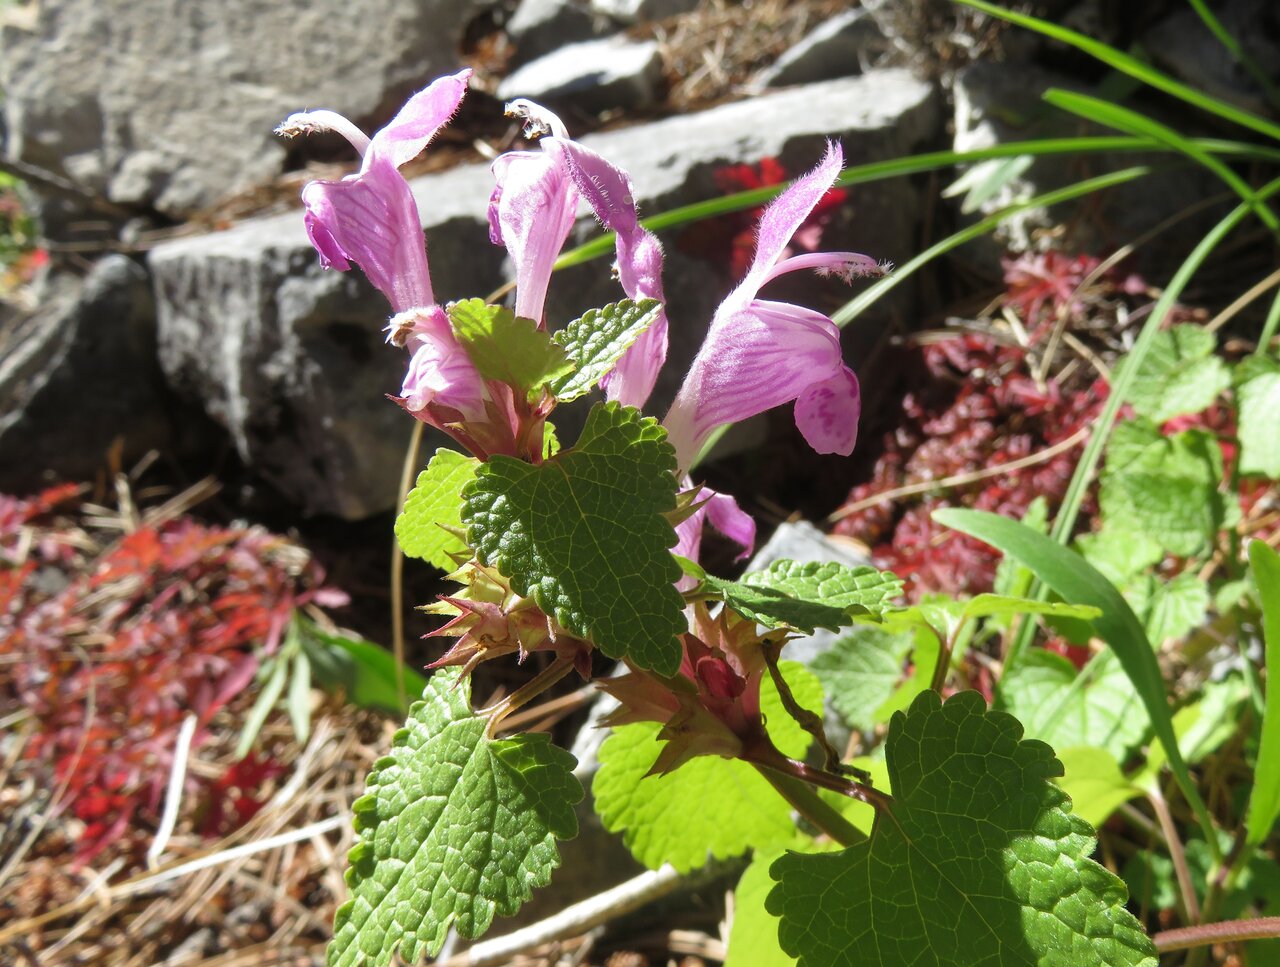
<point x="454" y="829"/>
<point x="1093" y="780"/>
<point x="861" y="671"/>
<point x="1068" y="574"/>
<point x="433" y="504"/>
<point x="1179" y="374"/>
<point x="506" y="348"/>
<point x="1057" y="704"/>
<point x="806" y="596"/>
<point x="1165" y="487"/>
<point x="584" y="534"/>
<point x="1264" y="800"/>
<point x="365" y="672"/>
<point x="978" y="861"/>
<point x="596" y="340"/>
<point x="272" y="689"/>
<point x="708" y="807"/>
<point x="1259" y="403"/>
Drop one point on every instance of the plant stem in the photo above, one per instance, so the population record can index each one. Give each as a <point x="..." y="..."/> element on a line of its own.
<point x="813" y="807"/>
<point x="397" y="566"/>
<point x="527" y="692"/>
<point x="1231" y="931"/>
<point x="1190" y="905"/>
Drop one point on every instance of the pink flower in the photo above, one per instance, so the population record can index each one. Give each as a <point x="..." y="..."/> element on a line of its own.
<point x="370" y="218"/>
<point x="532" y="211"/>
<point x="760" y="354"/>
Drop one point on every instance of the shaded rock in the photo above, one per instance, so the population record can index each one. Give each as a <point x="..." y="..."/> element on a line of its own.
<point x="635" y="11"/>
<point x="170" y="105"/>
<point x="840" y="47"/>
<point x="594" y="75"/>
<point x="541" y="26"/>
<point x="79" y="373"/>
<point x="290" y="357"/>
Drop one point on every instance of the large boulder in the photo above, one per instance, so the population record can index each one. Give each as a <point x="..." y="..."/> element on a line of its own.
<point x="78" y="377"/>
<point x="290" y="358"/>
<point x="170" y="105"/>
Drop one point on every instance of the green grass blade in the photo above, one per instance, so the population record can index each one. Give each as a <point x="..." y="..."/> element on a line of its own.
<point x="1269" y="327"/>
<point x="1130" y="65"/>
<point x="1078" y="582"/>
<point x="1241" y="56"/>
<point x="856" y="306"/>
<point x="1264" y="799"/>
<point x="1131" y="122"/>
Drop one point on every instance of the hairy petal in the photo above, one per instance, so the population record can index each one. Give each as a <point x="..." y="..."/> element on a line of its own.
<point x="371" y="219"/>
<point x="827" y="413"/>
<point x="418" y="121"/>
<point x="440" y="370"/>
<point x="531" y="212"/>
<point x="753" y="360"/>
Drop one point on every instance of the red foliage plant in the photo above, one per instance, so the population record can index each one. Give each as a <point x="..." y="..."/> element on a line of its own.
<point x="110" y="650"/>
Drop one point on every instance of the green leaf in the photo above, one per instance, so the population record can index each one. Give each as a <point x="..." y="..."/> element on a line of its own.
<point x="977" y="862"/>
<point x="272" y="689"/>
<point x="1264" y="800"/>
<point x="1259" y="402"/>
<point x="506" y="348"/>
<point x="1074" y="580"/>
<point x="708" y="807"/>
<point x="860" y="672"/>
<point x="1119" y="554"/>
<point x="433" y="504"/>
<point x="1093" y="780"/>
<point x="1058" y="705"/>
<point x="807" y="595"/>
<point x="596" y="340"/>
<point x="1175" y="607"/>
<point x="583" y="533"/>
<point x="787" y="734"/>
<point x="753" y="938"/>
<point x="1166" y="487"/>
<point x="298" y="701"/>
<point x="453" y="830"/>
<point x="365" y="672"/>
<point x="1180" y="374"/>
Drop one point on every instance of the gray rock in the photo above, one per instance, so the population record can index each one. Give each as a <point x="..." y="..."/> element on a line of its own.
<point x="635" y="11"/>
<point x="171" y="105"/>
<point x="541" y="26"/>
<point x="594" y="75"/>
<point x="840" y="47"/>
<point x="290" y="358"/>
<point x="78" y="373"/>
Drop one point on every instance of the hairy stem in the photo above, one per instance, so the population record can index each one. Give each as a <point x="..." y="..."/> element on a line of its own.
<point x="526" y="693"/>
<point x="1230" y="931"/>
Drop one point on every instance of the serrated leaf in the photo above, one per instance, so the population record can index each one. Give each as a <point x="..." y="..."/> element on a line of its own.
<point x="807" y="595"/>
<point x="1119" y="554"/>
<point x="1064" y="707"/>
<point x="596" y="340"/>
<point x="454" y="829"/>
<point x="505" y="347"/>
<point x="1175" y="607"/>
<point x="860" y="672"/>
<point x="433" y="504"/>
<point x="1259" y="417"/>
<point x="583" y="533"/>
<point x="977" y="863"/>
<point x="1179" y="374"/>
<point x="708" y="807"/>
<point x="785" y="732"/>
<point x="1165" y="487"/>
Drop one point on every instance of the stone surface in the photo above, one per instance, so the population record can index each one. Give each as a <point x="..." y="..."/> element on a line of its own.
<point x="839" y="47"/>
<point x="78" y="373"/>
<point x="594" y="75"/>
<point x="541" y="26"/>
<point x="634" y="11"/>
<point x="290" y="358"/>
<point x="170" y="105"/>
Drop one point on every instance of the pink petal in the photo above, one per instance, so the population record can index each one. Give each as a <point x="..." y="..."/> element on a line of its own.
<point x="532" y="212"/>
<point x="827" y="413"/>
<point x="724" y="514"/>
<point x="371" y="219"/>
<point x="753" y="360"/>
<point x="418" y="121"/>
<point x="787" y="213"/>
<point x="440" y="370"/>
